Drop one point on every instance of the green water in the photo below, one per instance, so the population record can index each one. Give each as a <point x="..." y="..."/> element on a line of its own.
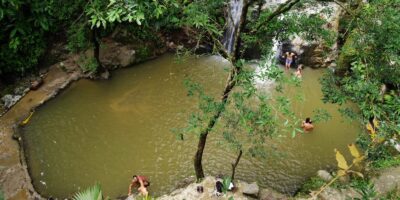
<point x="107" y="131"/>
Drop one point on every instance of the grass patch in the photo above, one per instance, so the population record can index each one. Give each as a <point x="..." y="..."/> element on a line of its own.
<point x="386" y="163"/>
<point x="392" y="195"/>
<point x="314" y="183"/>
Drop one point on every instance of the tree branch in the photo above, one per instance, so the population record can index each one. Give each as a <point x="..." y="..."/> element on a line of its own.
<point x="281" y="9"/>
<point x="344" y="8"/>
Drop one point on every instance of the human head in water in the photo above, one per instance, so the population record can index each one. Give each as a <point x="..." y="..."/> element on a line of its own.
<point x="300" y="67"/>
<point x="308" y="120"/>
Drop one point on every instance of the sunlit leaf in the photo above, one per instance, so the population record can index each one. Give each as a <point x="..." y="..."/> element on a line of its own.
<point x="376" y="123"/>
<point x="341" y="172"/>
<point x="354" y="151"/>
<point x="342" y="163"/>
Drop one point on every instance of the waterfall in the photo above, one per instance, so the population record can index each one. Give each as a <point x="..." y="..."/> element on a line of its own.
<point x="262" y="68"/>
<point x="234" y="15"/>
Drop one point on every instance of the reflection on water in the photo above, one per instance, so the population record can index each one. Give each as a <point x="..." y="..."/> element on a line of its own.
<point x="107" y="131"/>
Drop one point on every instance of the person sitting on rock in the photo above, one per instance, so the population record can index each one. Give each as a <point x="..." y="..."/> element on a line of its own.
<point x="307" y="125"/>
<point x="140" y="181"/>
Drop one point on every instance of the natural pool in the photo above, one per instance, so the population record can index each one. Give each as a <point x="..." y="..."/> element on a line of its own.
<point x="107" y="131"/>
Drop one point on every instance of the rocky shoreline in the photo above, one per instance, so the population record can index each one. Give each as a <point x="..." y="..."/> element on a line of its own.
<point x="15" y="181"/>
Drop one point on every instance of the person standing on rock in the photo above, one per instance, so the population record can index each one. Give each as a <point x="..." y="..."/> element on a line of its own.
<point x="289" y="59"/>
<point x="140" y="181"/>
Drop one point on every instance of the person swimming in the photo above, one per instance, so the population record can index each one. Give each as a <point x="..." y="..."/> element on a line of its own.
<point x="298" y="71"/>
<point x="307" y="125"/>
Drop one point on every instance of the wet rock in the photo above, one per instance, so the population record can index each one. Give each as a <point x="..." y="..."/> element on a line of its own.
<point x="203" y="49"/>
<point x="314" y="54"/>
<point x="171" y="45"/>
<point x="251" y="189"/>
<point x="324" y="175"/>
<point x="269" y="194"/>
<point x="387" y="181"/>
<point x="36" y="84"/>
<point x="105" y="75"/>
<point x="115" y="54"/>
<point x="185" y="182"/>
<point x="9" y="100"/>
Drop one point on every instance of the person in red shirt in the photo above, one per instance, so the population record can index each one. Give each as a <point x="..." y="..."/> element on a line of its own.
<point x="140" y="181"/>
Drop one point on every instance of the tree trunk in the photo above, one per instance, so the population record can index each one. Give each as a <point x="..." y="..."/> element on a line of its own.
<point x="231" y="82"/>
<point x="203" y="136"/>
<point x="234" y="165"/>
<point x="96" y="51"/>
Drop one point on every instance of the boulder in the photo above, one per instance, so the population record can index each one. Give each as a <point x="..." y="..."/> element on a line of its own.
<point x="335" y="194"/>
<point x="269" y="194"/>
<point x="9" y="100"/>
<point x="36" y="84"/>
<point x="324" y="175"/>
<point x="105" y="75"/>
<point x="115" y="54"/>
<point x="251" y="189"/>
<point x="388" y="180"/>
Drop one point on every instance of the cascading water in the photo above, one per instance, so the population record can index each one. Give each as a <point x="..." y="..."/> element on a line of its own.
<point x="234" y="15"/>
<point x="296" y="43"/>
<point x="262" y="68"/>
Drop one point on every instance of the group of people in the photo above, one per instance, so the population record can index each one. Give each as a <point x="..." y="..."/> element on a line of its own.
<point x="289" y="59"/>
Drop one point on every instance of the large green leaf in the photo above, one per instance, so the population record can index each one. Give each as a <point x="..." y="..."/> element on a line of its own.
<point x="92" y="193"/>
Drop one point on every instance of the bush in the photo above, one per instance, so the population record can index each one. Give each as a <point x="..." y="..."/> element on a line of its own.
<point x="78" y="38"/>
<point x="88" y="65"/>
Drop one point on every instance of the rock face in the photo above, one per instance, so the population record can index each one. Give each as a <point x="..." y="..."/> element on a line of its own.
<point x="9" y="100"/>
<point x="313" y="53"/>
<point x="335" y="194"/>
<point x="242" y="191"/>
<point x="250" y="189"/>
<point x="387" y="181"/>
<point x="209" y="192"/>
<point x="115" y="54"/>
<point x="268" y="194"/>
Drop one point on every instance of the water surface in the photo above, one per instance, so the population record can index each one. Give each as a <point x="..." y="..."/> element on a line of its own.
<point x="107" y="131"/>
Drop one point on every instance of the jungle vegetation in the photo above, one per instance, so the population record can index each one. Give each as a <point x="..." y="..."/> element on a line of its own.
<point x="367" y="73"/>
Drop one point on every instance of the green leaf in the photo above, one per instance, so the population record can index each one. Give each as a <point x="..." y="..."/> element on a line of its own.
<point x="92" y="193"/>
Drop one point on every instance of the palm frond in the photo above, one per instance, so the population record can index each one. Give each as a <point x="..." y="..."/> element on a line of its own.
<point x="92" y="193"/>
